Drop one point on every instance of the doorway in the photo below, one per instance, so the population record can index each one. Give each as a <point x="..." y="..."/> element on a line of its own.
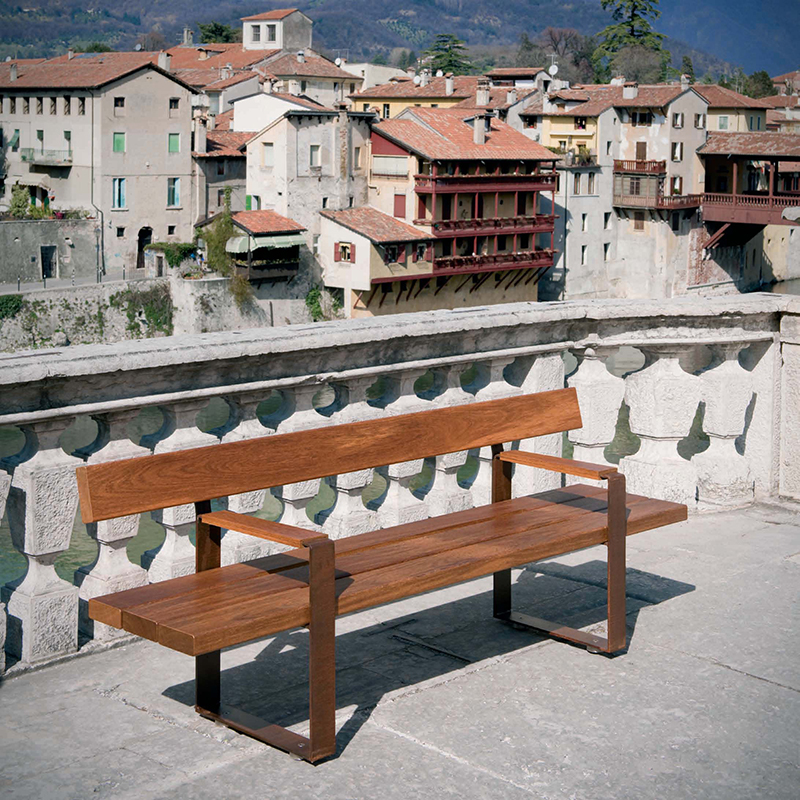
<point x="641" y="151"/>
<point x="145" y="238"/>
<point x="49" y="256"/>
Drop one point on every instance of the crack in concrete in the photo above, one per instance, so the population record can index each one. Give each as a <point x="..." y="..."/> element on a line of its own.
<point x="717" y="663"/>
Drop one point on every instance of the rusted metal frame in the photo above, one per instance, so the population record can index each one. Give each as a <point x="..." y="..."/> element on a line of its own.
<point x="615" y="570"/>
<point x="321" y="741"/>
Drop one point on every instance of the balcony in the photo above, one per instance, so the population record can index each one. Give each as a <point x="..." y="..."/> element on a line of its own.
<point x="752" y="209"/>
<point x="658" y="202"/>
<point x="641" y="167"/>
<point x="46" y="158"/>
<point x="494" y="182"/>
<point x="524" y="259"/>
<point x="538" y="223"/>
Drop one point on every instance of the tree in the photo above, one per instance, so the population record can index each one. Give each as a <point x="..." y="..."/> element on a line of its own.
<point x="639" y="64"/>
<point x="687" y="68"/>
<point x="632" y="27"/>
<point x="529" y="54"/>
<point x="20" y="202"/>
<point x="448" y="54"/>
<point x="211" y="32"/>
<point x="152" y="41"/>
<point x="561" y="41"/>
<point x="759" y="84"/>
<point x="95" y="47"/>
<point x="407" y="58"/>
<point x="380" y="59"/>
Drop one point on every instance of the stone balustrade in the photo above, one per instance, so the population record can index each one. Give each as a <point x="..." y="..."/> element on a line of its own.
<point x="710" y="418"/>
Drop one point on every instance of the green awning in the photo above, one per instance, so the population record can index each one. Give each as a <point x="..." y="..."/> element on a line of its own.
<point x="241" y="244"/>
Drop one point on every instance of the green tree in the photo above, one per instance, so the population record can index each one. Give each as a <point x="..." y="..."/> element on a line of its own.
<point x="687" y="68"/>
<point x="632" y="27"/>
<point x="20" y="202"/>
<point x="639" y="64"/>
<point x="448" y="53"/>
<point x="380" y="59"/>
<point x="759" y="84"/>
<point x="529" y="54"/>
<point x="95" y="47"/>
<point x="211" y="32"/>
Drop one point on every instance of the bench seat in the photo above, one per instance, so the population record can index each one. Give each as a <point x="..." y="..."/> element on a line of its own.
<point x="226" y="606"/>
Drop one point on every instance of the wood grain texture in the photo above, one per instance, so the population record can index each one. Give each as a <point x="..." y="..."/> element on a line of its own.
<point x="136" y="485"/>
<point x="262" y="528"/>
<point x="580" y="469"/>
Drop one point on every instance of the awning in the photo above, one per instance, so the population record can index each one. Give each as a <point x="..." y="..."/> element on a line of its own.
<point x="241" y="244"/>
<point x="42" y="181"/>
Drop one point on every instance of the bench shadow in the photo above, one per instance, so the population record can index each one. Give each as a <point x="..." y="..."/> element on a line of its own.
<point x="429" y="642"/>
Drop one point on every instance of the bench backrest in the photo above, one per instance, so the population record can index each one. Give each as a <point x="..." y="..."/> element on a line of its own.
<point x="135" y="485"/>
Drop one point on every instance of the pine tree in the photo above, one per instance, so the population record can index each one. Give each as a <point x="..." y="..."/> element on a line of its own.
<point x="218" y="32"/>
<point x="632" y="27"/>
<point x="687" y="68"/>
<point x="759" y="84"/>
<point x="448" y="54"/>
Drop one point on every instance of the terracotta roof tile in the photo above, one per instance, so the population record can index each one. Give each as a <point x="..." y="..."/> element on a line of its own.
<point x="277" y="13"/>
<point x="225" y="144"/>
<point x="219" y="85"/>
<point x="261" y="223"/>
<point x="443" y="133"/>
<point x="375" y="225"/>
<point x="781" y="101"/>
<point x="312" y="66"/>
<point x="464" y="86"/>
<point x="224" y="121"/>
<point x="719" y="97"/>
<point x="498" y="98"/>
<point x="216" y="56"/>
<point x="514" y="72"/>
<point x="787" y="76"/>
<point x="766" y="145"/>
<point x="302" y="100"/>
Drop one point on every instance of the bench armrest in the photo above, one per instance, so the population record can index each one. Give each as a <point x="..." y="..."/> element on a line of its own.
<point x="581" y="469"/>
<point x="262" y="528"/>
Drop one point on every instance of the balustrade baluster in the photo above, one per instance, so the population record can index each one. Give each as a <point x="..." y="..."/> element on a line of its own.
<point x="663" y="401"/>
<point x="42" y="501"/>
<point x="723" y="475"/>
<point x="175" y="556"/>
<point x="112" y="571"/>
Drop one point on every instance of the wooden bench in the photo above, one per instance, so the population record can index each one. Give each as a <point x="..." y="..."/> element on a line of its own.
<point x="310" y="585"/>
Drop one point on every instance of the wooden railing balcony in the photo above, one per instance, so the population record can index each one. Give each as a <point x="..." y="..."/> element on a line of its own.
<point x="538" y="223"/>
<point x="502" y="182"/>
<point x="756" y="209"/>
<point x="480" y="263"/>
<point x="661" y="202"/>
<point x="642" y="167"/>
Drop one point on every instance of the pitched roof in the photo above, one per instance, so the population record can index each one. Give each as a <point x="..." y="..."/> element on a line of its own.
<point x="757" y="145"/>
<point x="375" y="225"/>
<point x="216" y="56"/>
<point x="223" y="121"/>
<point x="781" y="100"/>
<point x="514" y="72"/>
<point x="225" y="144"/>
<point x="312" y="66"/>
<point x="263" y="223"/>
<point x="277" y="13"/>
<point x="301" y="100"/>
<point x="219" y="85"/>
<point x="463" y="86"/>
<point x="444" y="133"/>
<point x="83" y="71"/>
<point x="719" y="97"/>
<point x="498" y="98"/>
<point x="793" y="76"/>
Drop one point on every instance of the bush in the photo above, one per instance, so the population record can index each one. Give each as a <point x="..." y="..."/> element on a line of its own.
<point x="10" y="304"/>
<point x="174" y="252"/>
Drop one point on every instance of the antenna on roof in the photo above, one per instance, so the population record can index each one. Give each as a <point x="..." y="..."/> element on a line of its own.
<point x="338" y="62"/>
<point x="137" y="48"/>
<point x="439" y="73"/>
<point x="417" y="80"/>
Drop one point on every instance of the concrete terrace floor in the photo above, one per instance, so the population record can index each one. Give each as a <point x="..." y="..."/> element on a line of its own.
<point x="437" y="699"/>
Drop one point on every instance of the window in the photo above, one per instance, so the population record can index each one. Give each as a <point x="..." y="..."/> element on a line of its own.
<point x="386" y="111"/>
<point x="524" y="241"/>
<point x="584" y="222"/>
<point x="638" y="220"/>
<point x="220" y="167"/>
<point x="336" y="86"/>
<point x="303" y="86"/>
<point x="606" y="251"/>
<point x="352" y="88"/>
<point x="635" y="184"/>
<point x="12" y="105"/>
<point x="350" y="201"/>
<point x="324" y="202"/>
<point x="580" y="123"/>
<point x="365" y="106"/>
<point x="501" y="243"/>
<point x="170" y="230"/>
<point x="752" y="123"/>
<point x="81" y="106"/>
<point x="255" y="33"/>
<point x="420" y="252"/>
<point x="271" y="32"/>
<point x="314" y="156"/>
<point x="723" y="123"/>
<point x="676" y="221"/>
<point x="531" y="122"/>
<point x="53" y="109"/>
<point x="40" y="105"/>
<point x="68" y="140"/>
<point x="119" y="143"/>
<point x="15" y="141"/>
<point x="758" y="128"/>
<point x="583" y="255"/>
<point x="26" y="105"/>
<point x="562" y="144"/>
<point x="67" y="105"/>
<point x="356" y="158"/>
<point x="607" y="221"/>
<point x="390" y="253"/>
<point x="699" y="120"/>
<point x="315" y="244"/>
<point x="576" y="183"/>
<point x="118" y="193"/>
<point x="120" y="232"/>
<point x="173" y="143"/>
<point x="220" y="197"/>
<point x="591" y="183"/>
<point x="267" y="155"/>
<point x="119" y="104"/>
<point x="677" y="119"/>
<point x="173" y="191"/>
<point x="255" y="202"/>
<point x="40" y="139"/>
<point x="641" y="119"/>
<point x="677" y="151"/>
<point x="344" y="252"/>
<point x="389" y="165"/>
<point x="608" y="148"/>
<point x="676" y="185"/>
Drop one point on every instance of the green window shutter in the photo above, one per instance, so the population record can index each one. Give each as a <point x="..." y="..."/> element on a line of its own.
<point x="119" y="142"/>
<point x="248" y="203"/>
<point x="174" y="143"/>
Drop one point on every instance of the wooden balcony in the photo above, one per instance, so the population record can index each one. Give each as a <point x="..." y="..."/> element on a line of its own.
<point x="641" y="167"/>
<point x="538" y="223"/>
<point x="751" y="209"/>
<point x="658" y="202"/>
<point x="494" y="182"/>
<point x="525" y="259"/>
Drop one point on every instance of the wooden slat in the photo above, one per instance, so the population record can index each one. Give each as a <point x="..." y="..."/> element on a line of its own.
<point x="262" y="528"/>
<point x="568" y="466"/>
<point x="132" y="486"/>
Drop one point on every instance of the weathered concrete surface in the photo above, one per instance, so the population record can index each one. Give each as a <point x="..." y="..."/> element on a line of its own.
<point x="437" y="699"/>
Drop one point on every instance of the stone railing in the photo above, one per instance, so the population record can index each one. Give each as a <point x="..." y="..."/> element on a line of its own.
<point x="724" y="370"/>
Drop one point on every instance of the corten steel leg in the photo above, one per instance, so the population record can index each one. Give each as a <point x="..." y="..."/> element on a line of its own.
<point x="322" y="657"/>
<point x="617" y="533"/>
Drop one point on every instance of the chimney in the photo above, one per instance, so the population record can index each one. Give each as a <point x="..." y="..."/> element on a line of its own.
<point x="70" y="54"/>
<point x="425" y="77"/>
<point x="188" y="36"/>
<point x="212" y="122"/>
<point x="618" y="80"/>
<point x="630" y="90"/>
<point x="200" y="142"/>
<point x="482" y="95"/>
<point x="294" y="86"/>
<point x="301" y="57"/>
<point x="164" y="60"/>
<point x="479" y="129"/>
<point x="203" y="54"/>
<point x="511" y="96"/>
<point x="449" y="84"/>
<point x="684" y="82"/>
<point x="226" y="72"/>
<point x="13" y="74"/>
